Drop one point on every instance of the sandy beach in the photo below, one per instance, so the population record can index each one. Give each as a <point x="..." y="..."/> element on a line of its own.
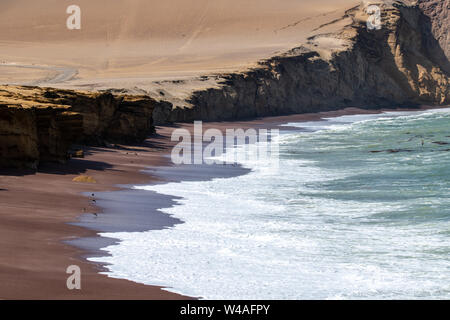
<point x="34" y="215"/>
<point x="40" y="214"/>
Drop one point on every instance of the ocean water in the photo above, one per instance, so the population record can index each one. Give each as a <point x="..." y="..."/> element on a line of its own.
<point x="359" y="209"/>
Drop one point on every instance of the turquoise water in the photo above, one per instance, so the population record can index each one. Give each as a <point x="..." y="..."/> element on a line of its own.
<point x="359" y="209"/>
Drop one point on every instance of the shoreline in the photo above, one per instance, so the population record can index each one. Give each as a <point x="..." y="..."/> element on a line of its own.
<point x="37" y="209"/>
<point x="41" y="253"/>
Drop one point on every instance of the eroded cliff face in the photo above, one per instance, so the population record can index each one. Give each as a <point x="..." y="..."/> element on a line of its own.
<point x="401" y="64"/>
<point x="438" y="12"/>
<point x="107" y="117"/>
<point x="41" y="124"/>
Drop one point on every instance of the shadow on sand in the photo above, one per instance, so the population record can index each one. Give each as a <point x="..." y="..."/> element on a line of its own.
<point x="73" y="166"/>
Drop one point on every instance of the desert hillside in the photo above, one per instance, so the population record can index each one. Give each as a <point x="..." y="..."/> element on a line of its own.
<point x="122" y="41"/>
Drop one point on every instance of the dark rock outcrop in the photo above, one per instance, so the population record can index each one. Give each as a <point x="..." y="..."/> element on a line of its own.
<point x="57" y="129"/>
<point x="18" y="137"/>
<point x="438" y="13"/>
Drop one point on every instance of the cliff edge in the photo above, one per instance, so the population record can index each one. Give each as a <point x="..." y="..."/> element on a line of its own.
<point x="41" y="124"/>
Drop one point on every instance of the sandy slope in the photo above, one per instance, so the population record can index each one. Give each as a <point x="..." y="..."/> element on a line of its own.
<point x="123" y="41"/>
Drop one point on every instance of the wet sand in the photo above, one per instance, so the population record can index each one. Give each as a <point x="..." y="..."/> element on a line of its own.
<point x="44" y="214"/>
<point x="34" y="217"/>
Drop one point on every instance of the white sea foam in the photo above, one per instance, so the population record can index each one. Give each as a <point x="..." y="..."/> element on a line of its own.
<point x="341" y="122"/>
<point x="278" y="235"/>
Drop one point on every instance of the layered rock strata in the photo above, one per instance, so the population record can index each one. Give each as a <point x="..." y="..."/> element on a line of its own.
<point x="41" y="124"/>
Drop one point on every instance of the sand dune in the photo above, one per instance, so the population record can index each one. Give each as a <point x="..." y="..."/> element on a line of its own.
<point x="142" y="39"/>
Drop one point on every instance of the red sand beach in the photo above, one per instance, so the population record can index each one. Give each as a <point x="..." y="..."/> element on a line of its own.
<point x="37" y="207"/>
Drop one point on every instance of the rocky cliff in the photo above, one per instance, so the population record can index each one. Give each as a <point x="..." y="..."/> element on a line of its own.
<point x="41" y="124"/>
<point x="107" y="117"/>
<point x="402" y="64"/>
<point x="438" y="13"/>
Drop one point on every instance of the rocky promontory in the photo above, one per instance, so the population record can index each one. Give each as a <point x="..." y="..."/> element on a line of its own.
<point x="41" y="124"/>
<point x="400" y="64"/>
